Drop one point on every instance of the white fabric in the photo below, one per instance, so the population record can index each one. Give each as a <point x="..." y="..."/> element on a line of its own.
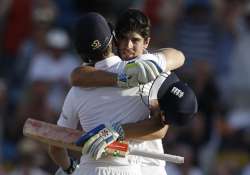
<point x="149" y="71"/>
<point x="158" y="58"/>
<point x="154" y="145"/>
<point x="93" y="106"/>
<point x="107" y="169"/>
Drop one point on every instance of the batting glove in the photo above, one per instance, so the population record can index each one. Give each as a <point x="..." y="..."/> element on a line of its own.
<point x="125" y="81"/>
<point x="151" y="68"/>
<point x="138" y="72"/>
<point x="96" y="140"/>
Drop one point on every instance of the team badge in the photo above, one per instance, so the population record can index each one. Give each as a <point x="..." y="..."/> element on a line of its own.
<point x="96" y="44"/>
<point x="177" y="92"/>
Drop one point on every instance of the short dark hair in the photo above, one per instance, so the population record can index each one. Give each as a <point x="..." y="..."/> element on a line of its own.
<point x="133" y="20"/>
<point x="92" y="58"/>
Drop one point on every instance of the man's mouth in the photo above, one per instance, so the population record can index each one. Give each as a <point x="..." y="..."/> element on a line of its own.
<point x="128" y="53"/>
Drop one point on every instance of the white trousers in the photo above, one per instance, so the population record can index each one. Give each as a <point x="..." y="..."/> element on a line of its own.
<point x="91" y="169"/>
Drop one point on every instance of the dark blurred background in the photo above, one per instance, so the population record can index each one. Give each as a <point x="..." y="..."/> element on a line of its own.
<point x="36" y="58"/>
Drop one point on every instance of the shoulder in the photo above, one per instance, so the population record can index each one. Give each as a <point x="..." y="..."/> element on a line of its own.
<point x="157" y="58"/>
<point x="76" y="91"/>
<point x="73" y="93"/>
<point x="115" y="65"/>
<point x="75" y="96"/>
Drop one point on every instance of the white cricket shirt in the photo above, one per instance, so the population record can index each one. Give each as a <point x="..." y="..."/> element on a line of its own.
<point x="94" y="106"/>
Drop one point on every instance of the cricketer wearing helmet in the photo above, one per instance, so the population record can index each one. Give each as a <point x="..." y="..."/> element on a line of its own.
<point x="94" y="106"/>
<point x="133" y="38"/>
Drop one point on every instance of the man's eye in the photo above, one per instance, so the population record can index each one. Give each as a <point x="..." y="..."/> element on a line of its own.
<point x="135" y="40"/>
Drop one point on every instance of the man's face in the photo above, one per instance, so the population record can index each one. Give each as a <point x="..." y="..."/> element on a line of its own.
<point x="132" y="45"/>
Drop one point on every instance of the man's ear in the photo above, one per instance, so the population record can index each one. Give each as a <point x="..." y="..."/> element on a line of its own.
<point x="146" y="42"/>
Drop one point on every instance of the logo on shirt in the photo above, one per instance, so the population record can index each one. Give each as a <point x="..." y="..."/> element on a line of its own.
<point x="96" y="44"/>
<point x="177" y="92"/>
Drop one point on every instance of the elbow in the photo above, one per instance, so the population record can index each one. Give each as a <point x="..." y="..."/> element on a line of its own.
<point x="159" y="136"/>
<point x="181" y="58"/>
<point x="174" y="57"/>
<point x="74" y="77"/>
<point x="162" y="132"/>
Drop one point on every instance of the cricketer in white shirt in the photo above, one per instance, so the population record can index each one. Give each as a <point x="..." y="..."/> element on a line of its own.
<point x="106" y="105"/>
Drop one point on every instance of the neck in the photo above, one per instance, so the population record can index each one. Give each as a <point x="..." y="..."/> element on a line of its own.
<point x="110" y="54"/>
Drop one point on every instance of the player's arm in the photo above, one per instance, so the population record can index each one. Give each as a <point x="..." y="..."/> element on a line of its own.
<point x="174" y="58"/>
<point x="148" y="129"/>
<point x="86" y="76"/>
<point x="59" y="156"/>
<point x="68" y="118"/>
<point x="95" y="141"/>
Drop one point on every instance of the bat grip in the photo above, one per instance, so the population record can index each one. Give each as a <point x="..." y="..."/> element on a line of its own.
<point x="153" y="155"/>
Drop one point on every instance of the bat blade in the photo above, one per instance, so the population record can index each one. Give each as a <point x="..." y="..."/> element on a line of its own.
<point x="65" y="137"/>
<point x="52" y="134"/>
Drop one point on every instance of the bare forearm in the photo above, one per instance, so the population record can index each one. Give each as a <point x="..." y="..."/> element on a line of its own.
<point x="148" y="129"/>
<point x="59" y="156"/>
<point x="159" y="134"/>
<point x="174" y="58"/>
<point x="87" y="76"/>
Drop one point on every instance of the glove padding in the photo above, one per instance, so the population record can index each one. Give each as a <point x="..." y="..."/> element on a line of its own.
<point x="96" y="144"/>
<point x="125" y="81"/>
<point x="138" y="72"/>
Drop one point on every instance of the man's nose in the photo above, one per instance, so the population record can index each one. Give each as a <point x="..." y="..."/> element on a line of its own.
<point x="129" y="44"/>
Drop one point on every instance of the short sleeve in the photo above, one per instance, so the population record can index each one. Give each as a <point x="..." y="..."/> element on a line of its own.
<point x="68" y="117"/>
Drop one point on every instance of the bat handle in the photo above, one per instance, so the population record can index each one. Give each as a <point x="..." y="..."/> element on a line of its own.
<point x="153" y="155"/>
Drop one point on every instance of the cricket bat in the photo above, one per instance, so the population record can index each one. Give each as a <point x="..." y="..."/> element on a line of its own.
<point x="66" y="137"/>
